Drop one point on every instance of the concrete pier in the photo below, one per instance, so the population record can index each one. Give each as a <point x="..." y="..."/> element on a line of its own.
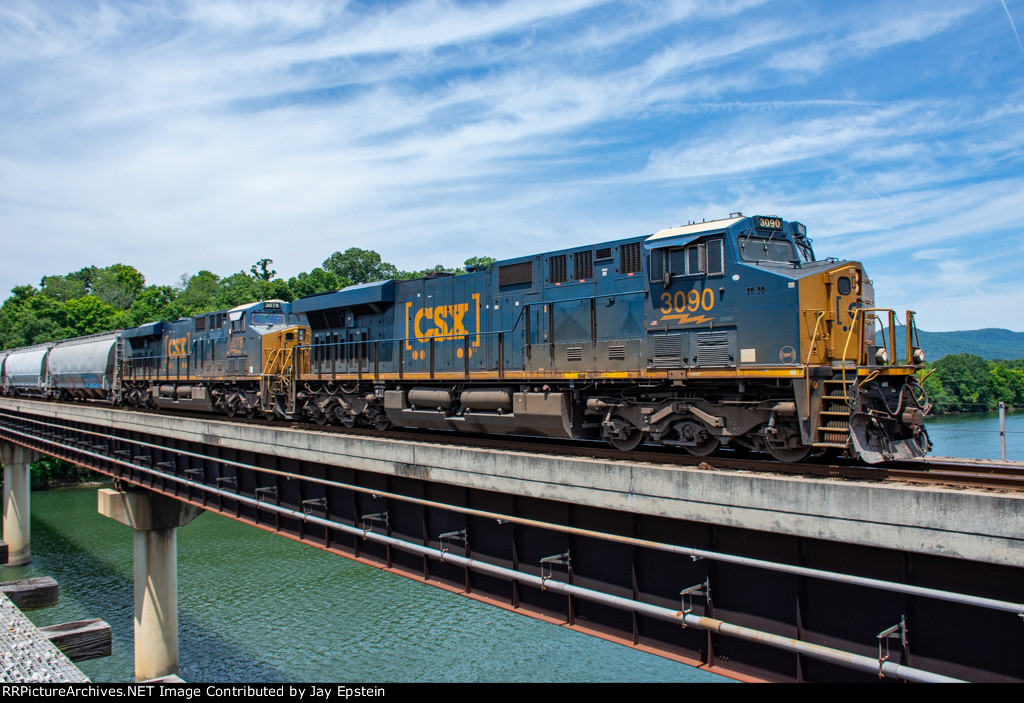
<point x="17" y="485"/>
<point x="155" y="519"/>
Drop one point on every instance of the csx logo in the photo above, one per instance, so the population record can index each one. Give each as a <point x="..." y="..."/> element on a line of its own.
<point x="442" y="322"/>
<point x="178" y="347"/>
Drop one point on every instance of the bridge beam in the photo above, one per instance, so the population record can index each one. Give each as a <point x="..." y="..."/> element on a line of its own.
<point x="17" y="491"/>
<point x="155" y="520"/>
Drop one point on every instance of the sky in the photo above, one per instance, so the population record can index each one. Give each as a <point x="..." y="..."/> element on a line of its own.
<point x="176" y="136"/>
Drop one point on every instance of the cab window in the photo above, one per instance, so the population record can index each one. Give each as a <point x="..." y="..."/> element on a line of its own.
<point x="704" y="258"/>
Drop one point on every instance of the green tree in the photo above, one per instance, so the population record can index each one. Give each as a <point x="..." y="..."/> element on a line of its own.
<point x="359" y="266"/>
<point x="198" y="296"/>
<point x="966" y="378"/>
<point x="63" y="288"/>
<point x="262" y="271"/>
<point x="316" y="281"/>
<point x="118" y="285"/>
<point x="89" y="315"/>
<point x="237" y="289"/>
<point x="480" y="262"/>
<point x="152" y="305"/>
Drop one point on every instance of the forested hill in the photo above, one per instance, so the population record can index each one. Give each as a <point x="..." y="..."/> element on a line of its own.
<point x="989" y="343"/>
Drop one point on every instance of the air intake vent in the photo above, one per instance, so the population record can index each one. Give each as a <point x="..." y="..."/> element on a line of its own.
<point x="668" y="351"/>
<point x="515" y="274"/>
<point x="712" y="349"/>
<point x="574" y="353"/>
<point x="556" y="269"/>
<point x="583" y="265"/>
<point x="629" y="258"/>
<point x="616" y="352"/>
<point x="604" y="254"/>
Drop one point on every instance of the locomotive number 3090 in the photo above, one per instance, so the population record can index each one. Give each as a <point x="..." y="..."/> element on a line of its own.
<point x="687" y="302"/>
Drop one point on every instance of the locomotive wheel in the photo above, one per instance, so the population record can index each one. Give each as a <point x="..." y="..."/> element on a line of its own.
<point x="788" y="454"/>
<point x="381" y="423"/>
<point x="250" y="411"/>
<point x="231" y="410"/>
<point x="630" y="442"/>
<point x="321" y="419"/>
<point x="707" y="447"/>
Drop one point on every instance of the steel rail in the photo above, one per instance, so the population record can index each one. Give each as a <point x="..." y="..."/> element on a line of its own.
<point x="693" y="552"/>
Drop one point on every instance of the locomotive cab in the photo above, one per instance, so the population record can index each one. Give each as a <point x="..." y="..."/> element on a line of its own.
<point x="743" y="315"/>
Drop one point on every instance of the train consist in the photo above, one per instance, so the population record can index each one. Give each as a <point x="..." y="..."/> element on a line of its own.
<point x="722" y="333"/>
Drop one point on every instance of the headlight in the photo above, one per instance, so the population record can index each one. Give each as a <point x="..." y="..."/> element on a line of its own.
<point x="881" y="356"/>
<point x="918" y="356"/>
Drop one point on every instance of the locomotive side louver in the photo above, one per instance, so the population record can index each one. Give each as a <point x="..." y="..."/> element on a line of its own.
<point x="712" y="349"/>
<point x="668" y="351"/>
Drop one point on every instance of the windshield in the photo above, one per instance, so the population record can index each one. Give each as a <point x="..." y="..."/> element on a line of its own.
<point x="753" y="248"/>
<point x="268" y="318"/>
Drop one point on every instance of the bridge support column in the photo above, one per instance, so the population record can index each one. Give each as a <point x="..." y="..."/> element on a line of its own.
<point x="155" y="519"/>
<point x="17" y="492"/>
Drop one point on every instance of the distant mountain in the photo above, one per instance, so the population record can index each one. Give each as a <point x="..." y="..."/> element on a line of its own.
<point x="989" y="343"/>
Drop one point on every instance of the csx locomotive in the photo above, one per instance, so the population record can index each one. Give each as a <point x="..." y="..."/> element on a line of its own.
<point x="721" y="333"/>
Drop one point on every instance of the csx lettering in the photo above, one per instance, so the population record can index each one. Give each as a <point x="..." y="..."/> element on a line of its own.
<point x="447" y="322"/>
<point x="178" y="347"/>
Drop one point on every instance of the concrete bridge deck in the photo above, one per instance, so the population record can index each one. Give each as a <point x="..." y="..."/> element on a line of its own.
<point x="611" y="547"/>
<point x="986" y="526"/>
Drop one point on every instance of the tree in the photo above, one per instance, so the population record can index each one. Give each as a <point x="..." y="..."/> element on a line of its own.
<point x="480" y="262"/>
<point x="152" y="305"/>
<point x="118" y="285"/>
<point x="966" y="378"/>
<point x="316" y="281"/>
<point x="261" y="271"/>
<point x="63" y="288"/>
<point x="90" y="315"/>
<point x="199" y="295"/>
<point x="359" y="266"/>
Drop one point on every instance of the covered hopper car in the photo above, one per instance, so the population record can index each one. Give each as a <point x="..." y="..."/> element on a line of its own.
<point x="722" y="333"/>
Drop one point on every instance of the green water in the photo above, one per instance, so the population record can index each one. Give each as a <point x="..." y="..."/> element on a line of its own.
<point x="256" y="607"/>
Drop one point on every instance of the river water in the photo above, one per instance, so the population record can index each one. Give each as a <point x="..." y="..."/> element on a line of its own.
<point x="255" y="607"/>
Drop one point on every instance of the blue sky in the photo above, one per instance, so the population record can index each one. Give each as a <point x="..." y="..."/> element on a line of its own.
<point x="176" y="136"/>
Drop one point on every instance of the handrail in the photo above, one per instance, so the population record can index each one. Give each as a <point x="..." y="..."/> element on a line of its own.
<point x="810" y="350"/>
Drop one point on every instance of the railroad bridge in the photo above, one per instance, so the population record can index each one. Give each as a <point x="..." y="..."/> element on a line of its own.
<point x="757" y="576"/>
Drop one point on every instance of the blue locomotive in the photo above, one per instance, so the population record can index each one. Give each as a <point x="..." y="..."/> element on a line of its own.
<point x="721" y="333"/>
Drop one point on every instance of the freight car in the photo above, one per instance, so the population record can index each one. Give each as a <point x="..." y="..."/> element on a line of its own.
<point x="722" y="333"/>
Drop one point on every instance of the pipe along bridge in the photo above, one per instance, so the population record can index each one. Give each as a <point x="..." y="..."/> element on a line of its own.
<point x="754" y="576"/>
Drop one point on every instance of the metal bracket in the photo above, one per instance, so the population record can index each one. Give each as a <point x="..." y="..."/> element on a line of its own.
<point x="167" y="465"/>
<point x="447" y="537"/>
<point x="268" y="490"/>
<point x="546" y="563"/>
<point x="898" y="631"/>
<point x="374" y="517"/>
<point x="226" y="479"/>
<point x="686" y="596"/>
<point x="308" y="505"/>
<point x="191" y="473"/>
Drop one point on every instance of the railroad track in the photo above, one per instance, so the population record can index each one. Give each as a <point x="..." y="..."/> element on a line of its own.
<point x="938" y="471"/>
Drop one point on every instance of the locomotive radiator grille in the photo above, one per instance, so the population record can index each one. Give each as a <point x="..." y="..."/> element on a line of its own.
<point x="712" y="348"/>
<point x="668" y="350"/>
